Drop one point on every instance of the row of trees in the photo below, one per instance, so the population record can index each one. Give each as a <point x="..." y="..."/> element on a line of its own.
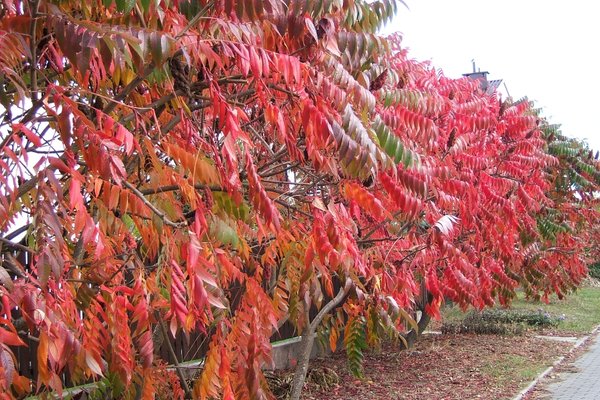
<point x="227" y="166"/>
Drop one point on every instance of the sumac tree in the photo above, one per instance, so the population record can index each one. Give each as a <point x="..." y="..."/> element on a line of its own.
<point x="225" y="166"/>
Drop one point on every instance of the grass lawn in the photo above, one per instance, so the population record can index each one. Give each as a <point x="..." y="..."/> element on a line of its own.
<point x="576" y="314"/>
<point x="581" y="309"/>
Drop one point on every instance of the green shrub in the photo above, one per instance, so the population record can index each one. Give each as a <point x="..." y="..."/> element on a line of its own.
<point x="595" y="270"/>
<point x="500" y="322"/>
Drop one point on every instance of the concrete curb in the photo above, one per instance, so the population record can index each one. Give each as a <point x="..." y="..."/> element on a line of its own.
<point x="559" y="360"/>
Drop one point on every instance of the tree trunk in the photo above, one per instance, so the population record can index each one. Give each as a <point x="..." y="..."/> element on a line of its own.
<point x="308" y="338"/>
<point x="412" y="335"/>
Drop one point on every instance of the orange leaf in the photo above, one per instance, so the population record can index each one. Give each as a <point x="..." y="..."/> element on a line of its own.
<point x="366" y="200"/>
<point x="42" y="359"/>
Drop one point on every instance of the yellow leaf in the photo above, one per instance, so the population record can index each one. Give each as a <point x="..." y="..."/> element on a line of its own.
<point x="411" y="321"/>
<point x="93" y="364"/>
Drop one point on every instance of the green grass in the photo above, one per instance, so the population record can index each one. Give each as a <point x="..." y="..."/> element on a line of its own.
<point x="503" y="369"/>
<point x="579" y="312"/>
<point x="513" y="367"/>
<point x="581" y="309"/>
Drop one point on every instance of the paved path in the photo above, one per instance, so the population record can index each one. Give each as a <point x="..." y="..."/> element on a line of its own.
<point x="583" y="384"/>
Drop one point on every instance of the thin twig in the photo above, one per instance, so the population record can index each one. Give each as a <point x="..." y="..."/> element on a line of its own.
<point x="131" y="86"/>
<point x="289" y="206"/>
<point x="275" y="171"/>
<point x="175" y="120"/>
<point x="262" y="140"/>
<point x="165" y="334"/>
<point x="283" y="90"/>
<point x="385" y="221"/>
<point x="171" y="188"/>
<point x="152" y="207"/>
<point x="16" y="246"/>
<point x="17" y="231"/>
<point x="140" y="15"/>
<point x="195" y="19"/>
<point x="385" y="239"/>
<point x="412" y="252"/>
<point x="30" y="337"/>
<point x="276" y="157"/>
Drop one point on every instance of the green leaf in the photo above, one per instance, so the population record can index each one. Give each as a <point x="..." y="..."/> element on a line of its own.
<point x="160" y="46"/>
<point x="125" y="6"/>
<point x="408" y="159"/>
<point x="224" y="233"/>
<point x="222" y="202"/>
<point x="355" y="343"/>
<point x="130" y="224"/>
<point x="392" y="145"/>
<point x="189" y="8"/>
<point x="145" y="5"/>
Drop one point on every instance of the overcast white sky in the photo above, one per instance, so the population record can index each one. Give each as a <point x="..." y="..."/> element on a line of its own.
<point x="547" y="50"/>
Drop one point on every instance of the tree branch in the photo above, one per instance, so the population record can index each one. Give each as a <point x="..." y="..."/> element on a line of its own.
<point x="34" y="6"/>
<point x="289" y="206"/>
<point x="17" y="231"/>
<point x="171" y="188"/>
<point x="273" y="171"/>
<point x="165" y="334"/>
<point x="16" y="246"/>
<point x="152" y="207"/>
<point x="308" y="338"/>
<point x="195" y="19"/>
<point x="385" y="221"/>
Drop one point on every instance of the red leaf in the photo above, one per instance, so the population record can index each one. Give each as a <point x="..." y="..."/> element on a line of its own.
<point x="260" y="199"/>
<point x="32" y="137"/>
<point x="10" y="338"/>
<point x="179" y="306"/>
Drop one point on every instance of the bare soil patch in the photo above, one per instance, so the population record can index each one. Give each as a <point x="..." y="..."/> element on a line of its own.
<point x="442" y="367"/>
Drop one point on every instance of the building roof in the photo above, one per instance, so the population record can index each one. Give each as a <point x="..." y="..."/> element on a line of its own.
<point x="493" y="85"/>
<point x="476" y="74"/>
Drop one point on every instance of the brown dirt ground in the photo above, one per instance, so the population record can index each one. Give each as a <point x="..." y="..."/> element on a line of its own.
<point x="441" y="367"/>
